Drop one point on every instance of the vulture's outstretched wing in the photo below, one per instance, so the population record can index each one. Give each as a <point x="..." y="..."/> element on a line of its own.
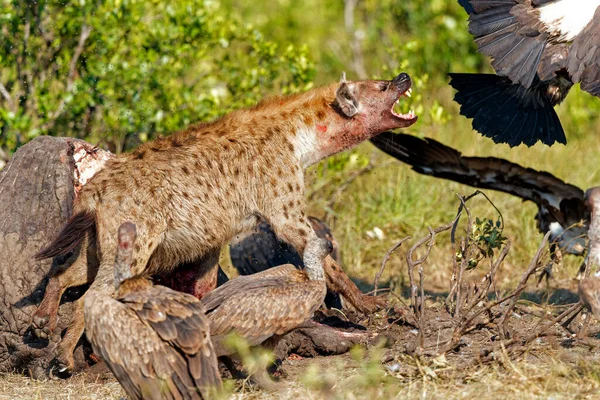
<point x="511" y="34"/>
<point x="430" y="157"/>
<point x="584" y="57"/>
<point x="538" y="48"/>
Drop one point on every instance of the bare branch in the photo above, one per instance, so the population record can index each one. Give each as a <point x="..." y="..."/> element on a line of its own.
<point x="6" y="96"/>
<point x="412" y="264"/>
<point x="85" y="34"/>
<point x="465" y="250"/>
<point x="418" y="301"/>
<point x="385" y="260"/>
<point x="461" y="328"/>
<point x="522" y="284"/>
<point x="563" y="319"/>
<point x="488" y="279"/>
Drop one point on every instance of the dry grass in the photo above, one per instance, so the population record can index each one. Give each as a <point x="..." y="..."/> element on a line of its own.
<point x="17" y="387"/>
<point x="565" y="374"/>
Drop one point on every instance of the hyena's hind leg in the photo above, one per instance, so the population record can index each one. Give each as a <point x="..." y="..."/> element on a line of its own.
<point x="80" y="269"/>
<point x="103" y="282"/>
<point x="65" y="362"/>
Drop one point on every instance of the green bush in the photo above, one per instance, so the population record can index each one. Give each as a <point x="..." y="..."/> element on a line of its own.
<point x="122" y="71"/>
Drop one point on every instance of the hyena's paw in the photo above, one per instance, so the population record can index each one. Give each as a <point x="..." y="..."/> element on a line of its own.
<point x="64" y="363"/>
<point x="43" y="325"/>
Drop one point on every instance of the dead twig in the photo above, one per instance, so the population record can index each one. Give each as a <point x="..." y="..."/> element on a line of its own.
<point x="522" y="284"/>
<point x="463" y="205"/>
<point x="384" y="262"/>
<point x="463" y="326"/>
<point x="488" y="279"/>
<point x="84" y="35"/>
<point x="469" y="252"/>
<point x="4" y="92"/>
<point x="465" y="252"/>
<point x="569" y="314"/>
<point x="418" y="301"/>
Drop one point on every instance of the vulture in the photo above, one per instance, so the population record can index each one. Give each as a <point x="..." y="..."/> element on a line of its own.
<point x="268" y="304"/>
<point x="561" y="206"/>
<point x="539" y="49"/>
<point x="260" y="249"/>
<point x="156" y="341"/>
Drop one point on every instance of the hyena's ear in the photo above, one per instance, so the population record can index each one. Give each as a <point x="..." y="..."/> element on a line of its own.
<point x="345" y="101"/>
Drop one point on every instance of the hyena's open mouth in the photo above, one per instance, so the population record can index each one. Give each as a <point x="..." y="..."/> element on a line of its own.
<point x="410" y="115"/>
<point x="403" y="85"/>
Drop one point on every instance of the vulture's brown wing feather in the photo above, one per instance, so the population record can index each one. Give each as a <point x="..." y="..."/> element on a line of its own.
<point x="179" y="319"/>
<point x="147" y="365"/>
<point x="510" y="34"/>
<point x="278" y="276"/>
<point x="584" y="57"/>
<point x="555" y="58"/>
<point x="259" y="313"/>
<point x="430" y="157"/>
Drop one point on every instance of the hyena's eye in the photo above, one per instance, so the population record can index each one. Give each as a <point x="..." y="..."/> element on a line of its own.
<point x="383" y="86"/>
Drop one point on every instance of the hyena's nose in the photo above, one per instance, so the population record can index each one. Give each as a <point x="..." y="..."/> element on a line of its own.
<point x="403" y="77"/>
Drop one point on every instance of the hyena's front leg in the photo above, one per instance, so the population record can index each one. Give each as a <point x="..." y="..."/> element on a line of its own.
<point x="65" y="363"/>
<point x="103" y="282"/>
<point x="338" y="281"/>
<point x="292" y="226"/>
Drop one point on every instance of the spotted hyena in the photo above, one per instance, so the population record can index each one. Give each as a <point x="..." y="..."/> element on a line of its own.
<point x="190" y="193"/>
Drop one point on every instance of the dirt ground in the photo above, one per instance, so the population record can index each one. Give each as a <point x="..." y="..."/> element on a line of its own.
<point x="557" y="363"/>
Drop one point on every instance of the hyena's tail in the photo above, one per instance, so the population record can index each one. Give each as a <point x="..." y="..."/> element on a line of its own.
<point x="70" y="236"/>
